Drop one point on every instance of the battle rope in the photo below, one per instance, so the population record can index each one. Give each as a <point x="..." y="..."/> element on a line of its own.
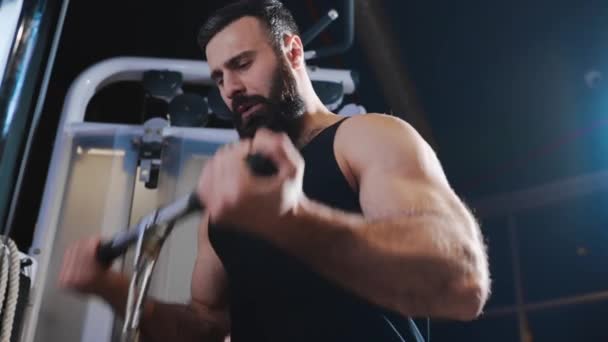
<point x="9" y="275"/>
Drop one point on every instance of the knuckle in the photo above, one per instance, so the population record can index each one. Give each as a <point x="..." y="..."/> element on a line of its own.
<point x="283" y="138"/>
<point x="92" y="243"/>
<point x="291" y="170"/>
<point x="265" y="131"/>
<point x="299" y="161"/>
<point x="277" y="149"/>
<point x="265" y="134"/>
<point x="219" y="153"/>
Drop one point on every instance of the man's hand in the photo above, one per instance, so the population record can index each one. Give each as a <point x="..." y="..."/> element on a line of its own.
<point x="81" y="271"/>
<point x="233" y="195"/>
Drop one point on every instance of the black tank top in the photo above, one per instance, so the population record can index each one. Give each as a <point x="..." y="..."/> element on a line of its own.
<point x="276" y="298"/>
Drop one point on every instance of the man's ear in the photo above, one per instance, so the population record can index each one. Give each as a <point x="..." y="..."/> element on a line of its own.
<point x="294" y="50"/>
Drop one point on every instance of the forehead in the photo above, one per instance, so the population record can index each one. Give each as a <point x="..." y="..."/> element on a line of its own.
<point x="243" y="34"/>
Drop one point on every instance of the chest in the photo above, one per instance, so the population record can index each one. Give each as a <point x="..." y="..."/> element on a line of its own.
<point x="327" y="178"/>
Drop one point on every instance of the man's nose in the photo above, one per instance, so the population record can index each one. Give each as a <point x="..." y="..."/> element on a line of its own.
<point x="233" y="86"/>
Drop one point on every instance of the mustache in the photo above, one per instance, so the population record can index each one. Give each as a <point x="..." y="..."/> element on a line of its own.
<point x="250" y="100"/>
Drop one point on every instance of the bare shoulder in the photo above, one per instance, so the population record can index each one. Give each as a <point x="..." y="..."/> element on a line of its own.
<point x="376" y="138"/>
<point x="376" y="119"/>
<point x="376" y="128"/>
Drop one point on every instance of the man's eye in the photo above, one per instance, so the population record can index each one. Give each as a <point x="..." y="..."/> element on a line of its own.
<point x="244" y="65"/>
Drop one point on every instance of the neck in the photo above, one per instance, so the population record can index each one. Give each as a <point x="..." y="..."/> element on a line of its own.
<point x="316" y="116"/>
<point x="312" y="123"/>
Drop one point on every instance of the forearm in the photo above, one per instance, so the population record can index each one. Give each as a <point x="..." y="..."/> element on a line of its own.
<point x="114" y="290"/>
<point x="414" y="264"/>
<point x="175" y="322"/>
<point x="163" y="321"/>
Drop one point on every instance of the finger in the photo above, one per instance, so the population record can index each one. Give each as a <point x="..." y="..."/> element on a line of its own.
<point x="93" y="245"/>
<point x="68" y="265"/>
<point x="64" y="264"/>
<point x="85" y="256"/>
<point x="280" y="150"/>
<point x="206" y="174"/>
<point x="211" y="193"/>
<point x="221" y="151"/>
<point x="269" y="144"/>
<point x="75" y="266"/>
<point x="230" y="159"/>
<point x="231" y="146"/>
<point x="244" y="147"/>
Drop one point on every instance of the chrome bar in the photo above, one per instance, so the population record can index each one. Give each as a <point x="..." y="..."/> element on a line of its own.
<point x="11" y="88"/>
<point x="50" y="62"/>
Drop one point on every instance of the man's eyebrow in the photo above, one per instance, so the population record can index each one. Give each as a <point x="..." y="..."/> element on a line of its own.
<point x="232" y="63"/>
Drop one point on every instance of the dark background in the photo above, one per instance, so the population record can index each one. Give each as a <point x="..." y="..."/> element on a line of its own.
<point x="502" y="88"/>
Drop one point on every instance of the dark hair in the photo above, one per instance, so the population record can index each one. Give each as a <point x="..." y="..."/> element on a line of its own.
<point x="272" y="14"/>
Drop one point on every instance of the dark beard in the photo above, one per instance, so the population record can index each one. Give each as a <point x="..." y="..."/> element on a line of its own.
<point x="281" y="112"/>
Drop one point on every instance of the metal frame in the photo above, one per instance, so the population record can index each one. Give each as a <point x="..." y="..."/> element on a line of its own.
<point x="12" y="85"/>
<point x="80" y="93"/>
<point x="509" y="205"/>
<point x="9" y="19"/>
<point x="517" y="201"/>
<point x="37" y="113"/>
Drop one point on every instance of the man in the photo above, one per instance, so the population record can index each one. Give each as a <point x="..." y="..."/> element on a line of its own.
<point x="358" y="230"/>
